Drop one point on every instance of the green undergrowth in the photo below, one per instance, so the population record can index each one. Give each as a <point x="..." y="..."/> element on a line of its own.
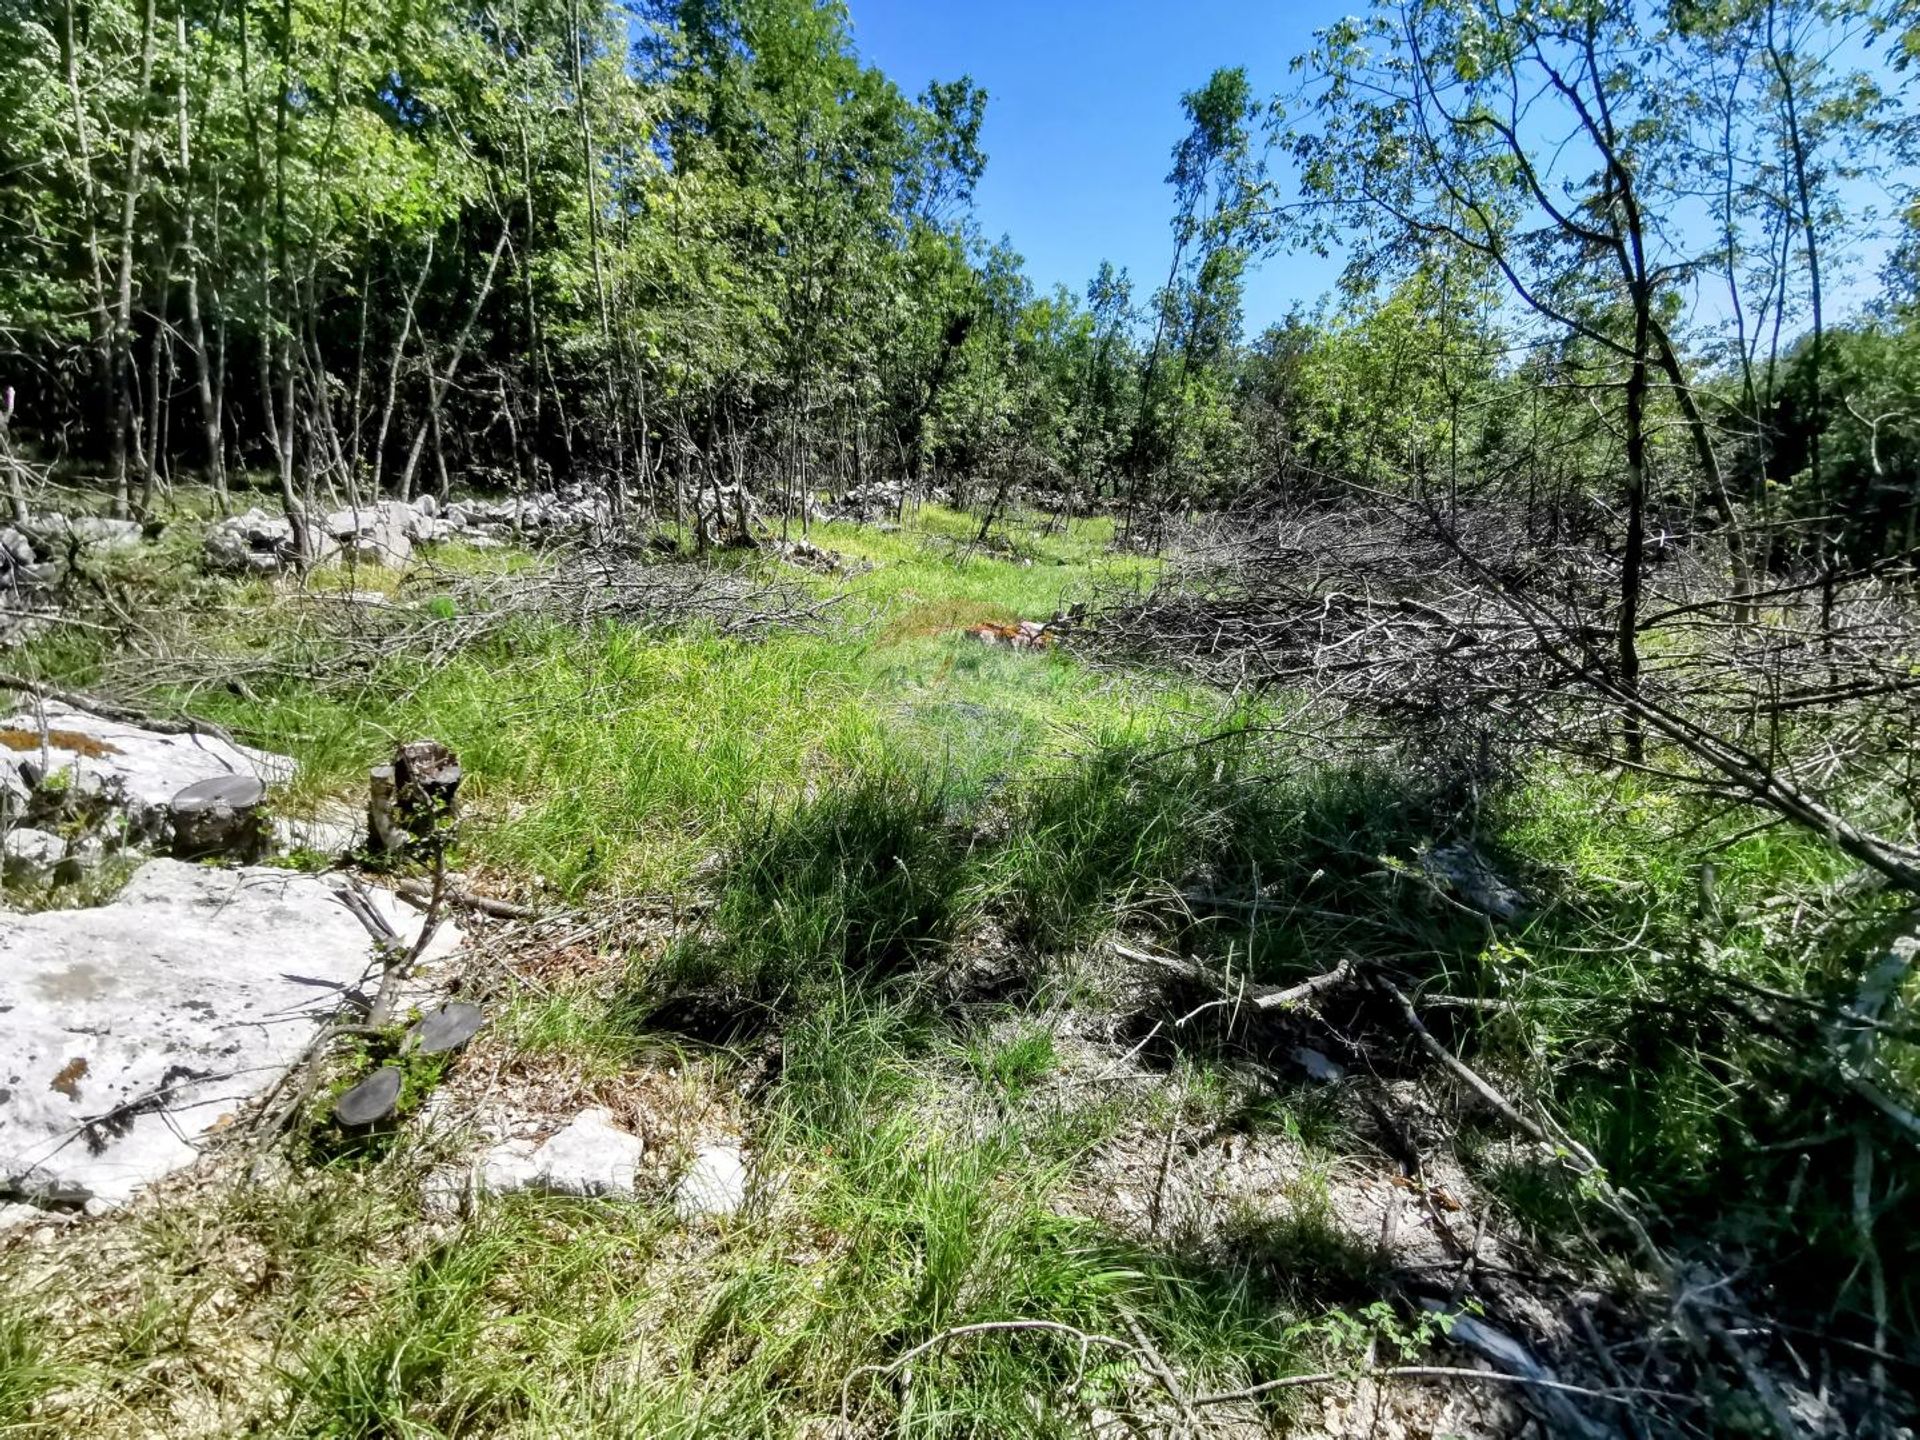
<point x="1614" y="999"/>
<point x="618" y="760"/>
<point x="865" y="879"/>
<point x="897" y="1215"/>
<point x="913" y="850"/>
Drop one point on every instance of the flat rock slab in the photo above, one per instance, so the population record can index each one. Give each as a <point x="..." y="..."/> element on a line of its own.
<point x="130" y="1031"/>
<point x="140" y="769"/>
<point x="590" y="1158"/>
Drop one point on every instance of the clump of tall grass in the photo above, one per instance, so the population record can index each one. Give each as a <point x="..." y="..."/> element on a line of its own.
<point x="29" y="1370"/>
<point x="1133" y="826"/>
<point x="867" y="879"/>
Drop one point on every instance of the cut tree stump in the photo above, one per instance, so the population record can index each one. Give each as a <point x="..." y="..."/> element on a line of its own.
<point x="412" y="803"/>
<point x="224" y="815"/>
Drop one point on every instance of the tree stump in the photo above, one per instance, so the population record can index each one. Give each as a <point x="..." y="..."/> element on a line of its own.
<point x="224" y="815"/>
<point x="412" y="803"/>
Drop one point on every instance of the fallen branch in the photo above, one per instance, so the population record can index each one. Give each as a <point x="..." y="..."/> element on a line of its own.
<point x="1261" y="997"/>
<point x="1086" y="1339"/>
<point x="1504" y="1107"/>
<point x="467" y="900"/>
<point x="113" y="710"/>
<point x="1162" y="1371"/>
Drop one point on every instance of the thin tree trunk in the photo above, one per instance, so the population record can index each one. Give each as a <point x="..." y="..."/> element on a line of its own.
<point x="589" y="170"/>
<point x="101" y="323"/>
<point x="393" y="368"/>
<point x="303" y="547"/>
<point x="16" y="472"/>
<point x="1803" y="197"/>
<point x="196" y="328"/>
<point x="1632" y="561"/>
<point x="122" y="352"/>
<point x="436" y="383"/>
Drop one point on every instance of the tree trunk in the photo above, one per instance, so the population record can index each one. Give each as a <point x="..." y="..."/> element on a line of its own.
<point x="436" y="383"/>
<point x="393" y="368"/>
<point x="101" y="324"/>
<point x="121" y="355"/>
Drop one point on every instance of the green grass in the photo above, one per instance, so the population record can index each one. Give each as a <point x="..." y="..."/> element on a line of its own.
<point x="864" y="812"/>
<point x="1014" y="1065"/>
<point x="863" y="881"/>
<point x="616" y="760"/>
<point x="896" y="1218"/>
<point x="28" y="1371"/>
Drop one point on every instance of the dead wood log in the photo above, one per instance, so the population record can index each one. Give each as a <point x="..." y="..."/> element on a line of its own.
<point x="224" y="815"/>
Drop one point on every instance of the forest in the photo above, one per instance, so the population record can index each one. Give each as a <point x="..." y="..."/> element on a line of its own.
<point x="1087" y="864"/>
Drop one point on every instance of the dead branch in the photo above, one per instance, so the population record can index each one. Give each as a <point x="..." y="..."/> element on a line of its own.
<point x="467" y="900"/>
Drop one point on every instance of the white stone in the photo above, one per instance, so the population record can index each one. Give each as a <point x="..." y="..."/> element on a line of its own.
<point x="426" y="530"/>
<point x="334" y="831"/>
<point x="16" y="546"/>
<point x="254" y="540"/>
<point x="84" y="852"/>
<point x="714" y="1185"/>
<point x="14" y="1215"/>
<point x="1317" y="1065"/>
<point x="130" y="1031"/>
<point x="506" y="1169"/>
<point x="228" y="548"/>
<point x="140" y="770"/>
<point x="257" y="541"/>
<point x="590" y="1158"/>
<point x="1464" y="872"/>
<point x="31" y="854"/>
<point x="385" y="543"/>
<point x="90" y="531"/>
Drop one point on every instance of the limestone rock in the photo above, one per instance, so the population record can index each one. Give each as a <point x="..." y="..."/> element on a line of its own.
<point x="253" y="541"/>
<point x="130" y="1031"/>
<point x="332" y="831"/>
<point x="115" y="766"/>
<point x="591" y="1158"/>
<point x="87" y="532"/>
<point x="1466" y="874"/>
<point x="715" y="1185"/>
<point x="260" y="543"/>
<point x="16" y="546"/>
<point x="387" y="540"/>
<point x="14" y="1215"/>
<point x="31" y="855"/>
<point x="1318" y="1066"/>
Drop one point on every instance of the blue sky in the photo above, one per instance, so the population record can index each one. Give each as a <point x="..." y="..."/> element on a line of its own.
<point x="1082" y="114"/>
<point x="1084" y="108"/>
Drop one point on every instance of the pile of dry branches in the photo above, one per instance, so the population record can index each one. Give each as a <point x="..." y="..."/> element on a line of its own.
<point x="334" y="640"/>
<point x="1795" y="694"/>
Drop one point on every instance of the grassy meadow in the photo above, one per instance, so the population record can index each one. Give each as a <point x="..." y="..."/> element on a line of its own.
<point x="895" y="859"/>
